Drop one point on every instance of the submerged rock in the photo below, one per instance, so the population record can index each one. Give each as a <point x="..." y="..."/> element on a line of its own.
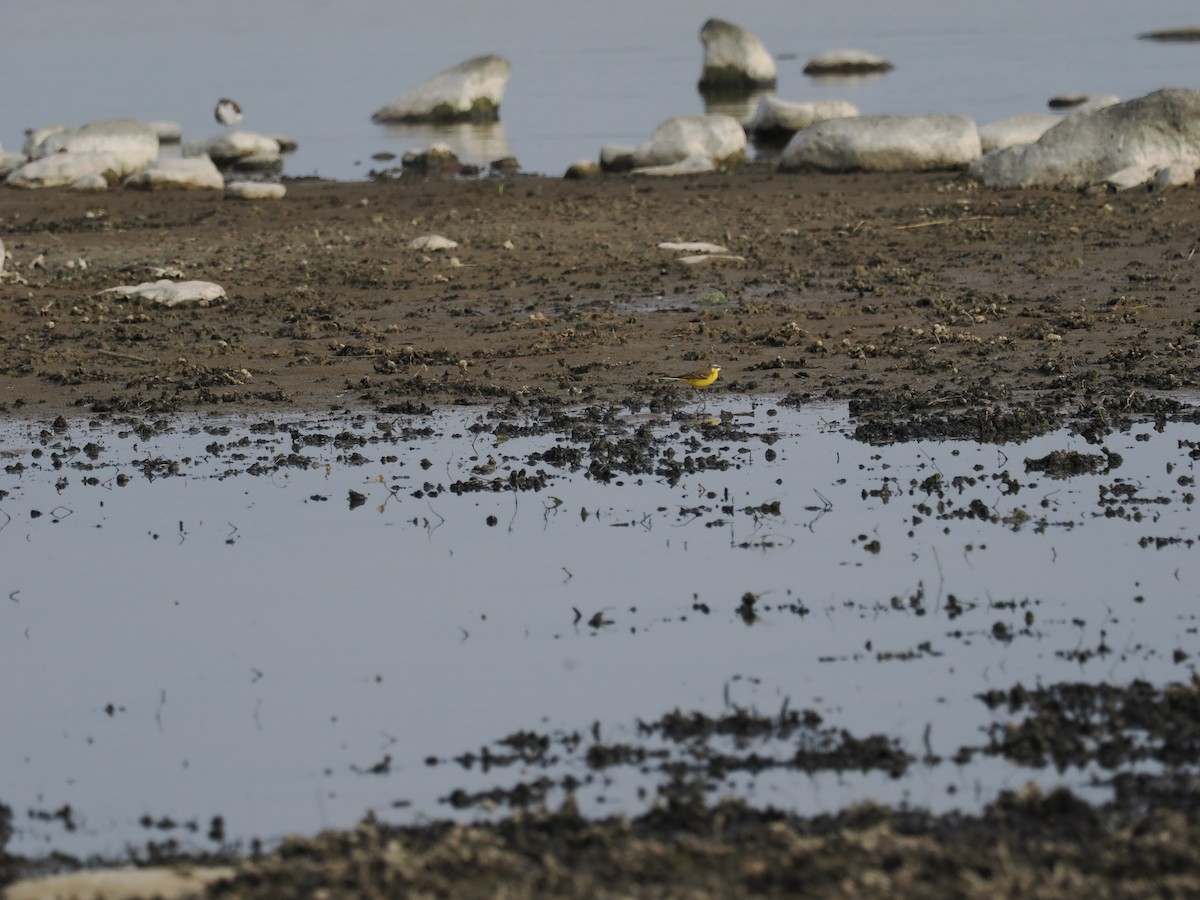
<point x="468" y="92"/>
<point x="883" y="144"/>
<point x="734" y="59"/>
<point x="1157" y="130"/>
<point x="847" y="62"/>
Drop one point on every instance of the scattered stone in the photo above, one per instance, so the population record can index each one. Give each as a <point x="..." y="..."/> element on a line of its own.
<point x="168" y="132"/>
<point x="847" y="62"/>
<point x="468" y="92"/>
<point x="585" y="168"/>
<point x="1186" y="34"/>
<point x="198" y="174"/>
<point x="1174" y="175"/>
<point x="692" y="247"/>
<point x="1156" y="130"/>
<point x="691" y="165"/>
<point x="122" y="884"/>
<point x="1024" y="128"/>
<point x="255" y="190"/>
<point x="1130" y="177"/>
<point x="734" y="59"/>
<point x="234" y="147"/>
<point x="432" y="242"/>
<point x="720" y="139"/>
<point x="171" y="293"/>
<point x="780" y="118"/>
<point x="89" y="184"/>
<point x="436" y="158"/>
<point x="883" y="144"/>
<point x="62" y="169"/>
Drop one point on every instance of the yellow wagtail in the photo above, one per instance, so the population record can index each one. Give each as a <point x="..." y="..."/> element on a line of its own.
<point x="701" y="378"/>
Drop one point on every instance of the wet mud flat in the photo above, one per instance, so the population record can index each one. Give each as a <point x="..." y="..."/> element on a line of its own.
<point x="852" y="659"/>
<point x="856" y="651"/>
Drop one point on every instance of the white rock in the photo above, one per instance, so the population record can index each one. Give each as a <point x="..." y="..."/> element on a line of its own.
<point x="847" y="62"/>
<point x="34" y="136"/>
<point x="62" y="169"/>
<point x="1155" y="130"/>
<point x="168" y="132"/>
<point x="617" y="157"/>
<point x="121" y="884"/>
<point x="134" y="144"/>
<point x="171" y="293"/>
<point x="720" y="138"/>
<point x="692" y="247"/>
<point x="691" y="165"/>
<point x="10" y="162"/>
<point x="883" y="144"/>
<point x="198" y="173"/>
<point x="432" y="242"/>
<point x="710" y="259"/>
<point x="90" y="184"/>
<point x="470" y="91"/>
<point x="1174" y="175"/>
<point x="1130" y="177"/>
<point x="734" y="58"/>
<point x="1020" y="129"/>
<point x="254" y="190"/>
<point x="775" y="116"/>
<point x="2" y="257"/>
<point x="233" y="146"/>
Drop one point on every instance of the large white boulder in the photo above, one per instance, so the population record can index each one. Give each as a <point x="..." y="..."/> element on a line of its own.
<point x="734" y="58"/>
<point x="63" y="169"/>
<point x="775" y="117"/>
<point x="234" y="147"/>
<point x="134" y="144"/>
<point x="720" y="138"/>
<point x="1156" y="130"/>
<point x="470" y="91"/>
<point x="1024" y="128"/>
<point x="883" y="144"/>
<point x="197" y="174"/>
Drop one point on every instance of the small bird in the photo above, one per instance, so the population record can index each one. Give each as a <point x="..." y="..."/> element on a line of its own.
<point x="228" y="113"/>
<point x="701" y="378"/>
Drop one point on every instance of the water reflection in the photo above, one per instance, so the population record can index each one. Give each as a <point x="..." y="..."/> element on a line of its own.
<point x="475" y="144"/>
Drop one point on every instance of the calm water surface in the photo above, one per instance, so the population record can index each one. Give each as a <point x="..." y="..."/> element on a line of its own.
<point x="183" y="637"/>
<point x="583" y="74"/>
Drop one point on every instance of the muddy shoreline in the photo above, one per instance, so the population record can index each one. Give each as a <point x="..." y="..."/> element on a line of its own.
<point x="937" y="309"/>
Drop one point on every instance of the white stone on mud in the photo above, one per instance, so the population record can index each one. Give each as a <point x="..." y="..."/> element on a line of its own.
<point x="719" y="138"/>
<point x="1174" y="175"/>
<point x="171" y="293"/>
<point x="62" y="169"/>
<point x="89" y="184"/>
<point x="470" y="91"/>
<point x="1130" y="177"/>
<point x="1024" y="128"/>
<point x="734" y="58"/>
<point x="132" y="143"/>
<point x="692" y="247"/>
<point x="847" y="62"/>
<point x="234" y="147"/>
<point x="775" y="116"/>
<point x="710" y="259"/>
<point x="196" y="174"/>
<point x="691" y="165"/>
<point x="121" y="884"/>
<point x="432" y="242"/>
<point x="883" y="144"/>
<point x="254" y="190"/>
<point x="1156" y="130"/>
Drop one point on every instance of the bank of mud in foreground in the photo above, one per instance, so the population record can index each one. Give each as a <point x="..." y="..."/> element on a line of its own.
<point x="938" y="309"/>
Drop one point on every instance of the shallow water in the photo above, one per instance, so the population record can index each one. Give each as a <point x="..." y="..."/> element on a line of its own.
<point x="200" y="623"/>
<point x="583" y="75"/>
